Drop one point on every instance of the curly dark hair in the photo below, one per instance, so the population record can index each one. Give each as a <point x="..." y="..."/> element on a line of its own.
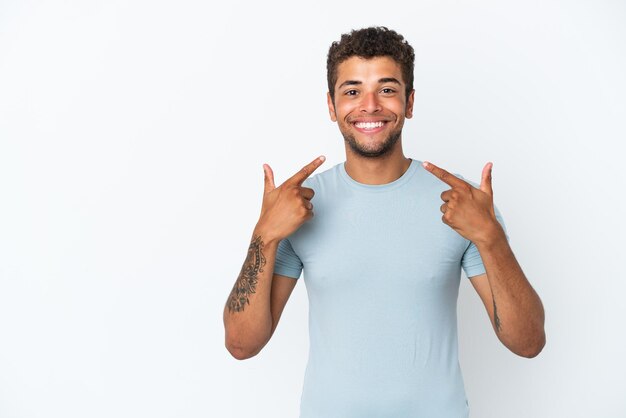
<point x="368" y="43"/>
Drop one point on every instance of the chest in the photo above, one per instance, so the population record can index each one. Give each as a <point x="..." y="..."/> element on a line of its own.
<point x="376" y="244"/>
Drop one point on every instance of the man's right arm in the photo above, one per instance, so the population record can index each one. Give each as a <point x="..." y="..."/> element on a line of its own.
<point x="247" y="315"/>
<point x="258" y="297"/>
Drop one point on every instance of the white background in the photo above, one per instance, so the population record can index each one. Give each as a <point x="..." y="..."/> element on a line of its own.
<point x="132" y="138"/>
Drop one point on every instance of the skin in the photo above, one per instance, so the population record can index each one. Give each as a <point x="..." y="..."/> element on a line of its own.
<point x="258" y="297"/>
<point x="372" y="90"/>
<point x="364" y="91"/>
<point x="515" y="310"/>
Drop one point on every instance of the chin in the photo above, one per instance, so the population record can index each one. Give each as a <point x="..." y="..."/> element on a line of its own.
<point x="380" y="150"/>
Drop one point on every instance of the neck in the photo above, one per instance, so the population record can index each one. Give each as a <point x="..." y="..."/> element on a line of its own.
<point x="377" y="170"/>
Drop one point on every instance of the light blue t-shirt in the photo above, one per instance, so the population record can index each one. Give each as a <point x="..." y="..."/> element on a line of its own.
<point x="382" y="274"/>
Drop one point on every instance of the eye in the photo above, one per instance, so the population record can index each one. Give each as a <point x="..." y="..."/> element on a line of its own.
<point x="351" y="93"/>
<point x="388" y="90"/>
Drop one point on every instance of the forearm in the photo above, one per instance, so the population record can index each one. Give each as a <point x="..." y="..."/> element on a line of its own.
<point x="518" y="314"/>
<point x="247" y="313"/>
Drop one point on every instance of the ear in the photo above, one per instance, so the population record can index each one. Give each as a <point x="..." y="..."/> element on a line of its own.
<point x="331" y="107"/>
<point x="409" y="105"/>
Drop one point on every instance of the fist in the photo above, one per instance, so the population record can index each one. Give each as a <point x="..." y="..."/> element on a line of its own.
<point x="469" y="210"/>
<point x="286" y="207"/>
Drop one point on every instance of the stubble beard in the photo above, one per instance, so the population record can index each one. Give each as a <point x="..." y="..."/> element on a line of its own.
<point x="385" y="147"/>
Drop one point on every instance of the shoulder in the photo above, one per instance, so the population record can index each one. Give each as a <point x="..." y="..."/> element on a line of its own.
<point x="433" y="179"/>
<point x="323" y="178"/>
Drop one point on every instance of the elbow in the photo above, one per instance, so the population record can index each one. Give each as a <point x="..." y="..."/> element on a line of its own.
<point x="533" y="347"/>
<point x="240" y="353"/>
<point x="244" y="342"/>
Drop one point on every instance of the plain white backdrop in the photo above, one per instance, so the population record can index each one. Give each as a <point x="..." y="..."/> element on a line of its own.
<point x="132" y="138"/>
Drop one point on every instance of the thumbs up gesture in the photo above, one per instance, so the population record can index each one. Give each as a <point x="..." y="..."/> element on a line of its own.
<point x="467" y="209"/>
<point x="286" y="207"/>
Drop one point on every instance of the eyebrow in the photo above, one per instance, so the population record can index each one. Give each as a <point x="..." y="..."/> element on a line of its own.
<point x="380" y="81"/>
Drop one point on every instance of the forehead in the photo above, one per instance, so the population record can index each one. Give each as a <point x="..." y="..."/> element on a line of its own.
<point x="368" y="69"/>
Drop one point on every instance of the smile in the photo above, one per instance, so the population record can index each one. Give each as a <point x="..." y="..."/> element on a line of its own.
<point x="369" y="127"/>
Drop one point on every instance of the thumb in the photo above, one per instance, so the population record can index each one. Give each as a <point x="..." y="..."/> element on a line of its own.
<point x="269" y="178"/>
<point x="485" y="182"/>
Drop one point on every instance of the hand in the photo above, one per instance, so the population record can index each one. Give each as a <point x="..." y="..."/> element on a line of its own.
<point x="288" y="206"/>
<point x="468" y="210"/>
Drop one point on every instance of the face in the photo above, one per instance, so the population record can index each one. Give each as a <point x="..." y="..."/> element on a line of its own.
<point x="370" y="104"/>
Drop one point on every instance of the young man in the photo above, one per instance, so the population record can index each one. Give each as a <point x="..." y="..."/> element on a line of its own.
<point x="382" y="265"/>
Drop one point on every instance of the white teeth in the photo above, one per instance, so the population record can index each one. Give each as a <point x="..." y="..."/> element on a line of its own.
<point x="368" y="125"/>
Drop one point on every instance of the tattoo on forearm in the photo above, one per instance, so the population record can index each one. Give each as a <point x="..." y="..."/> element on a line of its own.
<point x="495" y="316"/>
<point x="248" y="277"/>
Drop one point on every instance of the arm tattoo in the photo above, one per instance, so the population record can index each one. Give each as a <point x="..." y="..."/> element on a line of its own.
<point x="248" y="277"/>
<point x="495" y="316"/>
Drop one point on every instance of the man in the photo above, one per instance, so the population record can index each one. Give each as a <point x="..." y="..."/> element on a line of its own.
<point x="382" y="265"/>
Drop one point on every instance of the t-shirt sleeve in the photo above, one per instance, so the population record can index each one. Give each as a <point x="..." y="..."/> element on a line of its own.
<point x="471" y="261"/>
<point x="287" y="261"/>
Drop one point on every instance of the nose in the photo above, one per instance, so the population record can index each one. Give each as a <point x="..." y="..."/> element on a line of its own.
<point x="369" y="103"/>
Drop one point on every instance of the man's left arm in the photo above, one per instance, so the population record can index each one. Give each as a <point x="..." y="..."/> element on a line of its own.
<point x="514" y="307"/>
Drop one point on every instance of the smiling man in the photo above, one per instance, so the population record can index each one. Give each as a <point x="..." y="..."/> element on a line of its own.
<point x="382" y="257"/>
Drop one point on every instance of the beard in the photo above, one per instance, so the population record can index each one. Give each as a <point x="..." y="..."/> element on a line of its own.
<point x="378" y="150"/>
